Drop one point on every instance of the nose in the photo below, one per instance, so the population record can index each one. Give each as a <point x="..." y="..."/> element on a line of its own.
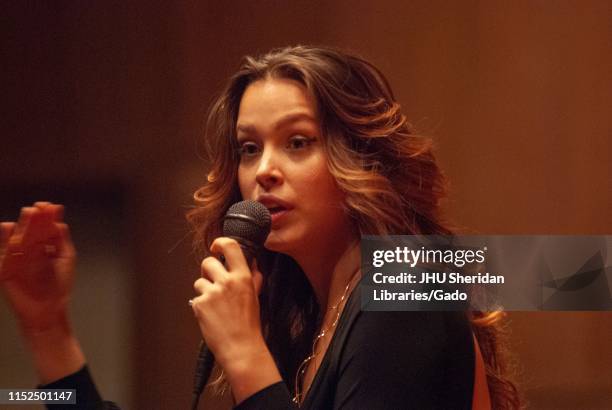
<point x="268" y="171"/>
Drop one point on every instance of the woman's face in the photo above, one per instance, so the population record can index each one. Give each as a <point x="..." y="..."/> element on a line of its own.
<point x="284" y="166"/>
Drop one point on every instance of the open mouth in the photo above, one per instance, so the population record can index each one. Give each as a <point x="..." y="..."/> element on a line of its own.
<point x="276" y="206"/>
<point x="276" y="209"/>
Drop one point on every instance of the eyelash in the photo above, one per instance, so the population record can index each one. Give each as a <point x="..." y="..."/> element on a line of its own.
<point x="307" y="141"/>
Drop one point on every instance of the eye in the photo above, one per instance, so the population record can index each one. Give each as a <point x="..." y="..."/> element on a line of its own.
<point x="298" y="142"/>
<point x="248" y="149"/>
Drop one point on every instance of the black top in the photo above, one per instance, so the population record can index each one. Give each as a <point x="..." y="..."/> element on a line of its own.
<point x="388" y="360"/>
<point x="87" y="396"/>
<point x="376" y="360"/>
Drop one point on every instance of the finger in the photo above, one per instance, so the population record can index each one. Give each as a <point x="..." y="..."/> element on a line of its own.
<point x="47" y="220"/>
<point x="57" y="211"/>
<point x="64" y="243"/>
<point x="6" y="230"/>
<point x="212" y="269"/>
<point x="202" y="285"/>
<point x="257" y="279"/>
<point x="41" y="229"/>
<point x="9" y="253"/>
<point x="230" y="249"/>
<point x="196" y="303"/>
<point x="23" y="222"/>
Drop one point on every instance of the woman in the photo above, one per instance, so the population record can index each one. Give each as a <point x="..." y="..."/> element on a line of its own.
<point x="316" y="136"/>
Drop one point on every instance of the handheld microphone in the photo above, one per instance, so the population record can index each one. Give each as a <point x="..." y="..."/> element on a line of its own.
<point x="248" y="222"/>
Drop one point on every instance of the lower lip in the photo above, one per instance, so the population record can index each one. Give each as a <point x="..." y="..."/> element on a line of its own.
<point x="276" y="216"/>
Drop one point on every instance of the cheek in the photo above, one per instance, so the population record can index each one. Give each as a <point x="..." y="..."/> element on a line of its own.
<point x="323" y="186"/>
<point x="316" y="172"/>
<point x="245" y="183"/>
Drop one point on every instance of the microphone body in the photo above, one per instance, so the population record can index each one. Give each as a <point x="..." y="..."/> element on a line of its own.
<point x="247" y="222"/>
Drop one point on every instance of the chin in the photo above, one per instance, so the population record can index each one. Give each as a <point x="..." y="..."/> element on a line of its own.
<point x="275" y="246"/>
<point x="277" y="243"/>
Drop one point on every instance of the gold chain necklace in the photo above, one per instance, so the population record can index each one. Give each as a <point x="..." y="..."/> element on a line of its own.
<point x="298" y="398"/>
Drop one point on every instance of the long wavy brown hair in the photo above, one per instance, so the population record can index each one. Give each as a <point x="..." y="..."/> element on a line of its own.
<point x="390" y="177"/>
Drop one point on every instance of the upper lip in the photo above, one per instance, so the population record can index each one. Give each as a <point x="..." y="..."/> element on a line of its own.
<point x="270" y="201"/>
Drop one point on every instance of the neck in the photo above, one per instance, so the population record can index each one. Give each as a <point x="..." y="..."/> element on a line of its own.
<point x="329" y="268"/>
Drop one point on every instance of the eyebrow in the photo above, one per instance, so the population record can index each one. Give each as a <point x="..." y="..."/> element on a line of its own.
<point x="284" y="121"/>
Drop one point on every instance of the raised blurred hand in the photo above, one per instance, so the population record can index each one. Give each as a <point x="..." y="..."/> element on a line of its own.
<point x="37" y="260"/>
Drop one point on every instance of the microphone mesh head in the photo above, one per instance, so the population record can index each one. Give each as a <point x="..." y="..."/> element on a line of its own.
<point x="248" y="220"/>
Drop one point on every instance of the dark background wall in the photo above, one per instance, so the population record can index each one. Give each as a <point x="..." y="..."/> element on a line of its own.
<point x="103" y="104"/>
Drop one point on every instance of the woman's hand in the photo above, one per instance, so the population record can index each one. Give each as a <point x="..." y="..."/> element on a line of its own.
<point x="37" y="261"/>
<point x="227" y="310"/>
